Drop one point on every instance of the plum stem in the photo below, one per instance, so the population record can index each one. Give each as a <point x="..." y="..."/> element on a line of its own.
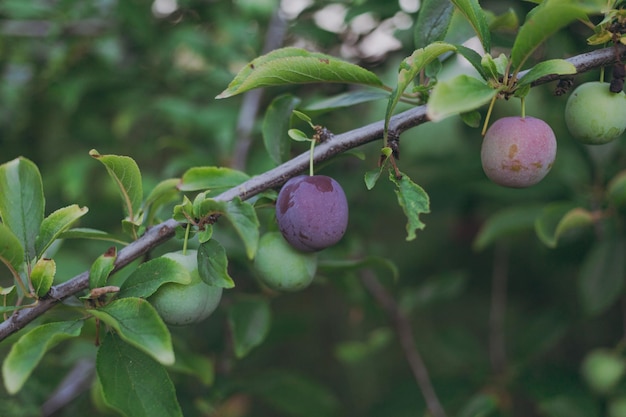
<point x="186" y="238"/>
<point x="488" y="116"/>
<point x="311" y="158"/>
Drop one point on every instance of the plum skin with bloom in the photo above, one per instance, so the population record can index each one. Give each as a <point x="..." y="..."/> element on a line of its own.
<point x="282" y="267"/>
<point x="518" y="151"/>
<point x="312" y="212"/>
<point x="594" y="115"/>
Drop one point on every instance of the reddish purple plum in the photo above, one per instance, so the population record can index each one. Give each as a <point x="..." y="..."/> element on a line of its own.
<point x="518" y="152"/>
<point x="312" y="212"/>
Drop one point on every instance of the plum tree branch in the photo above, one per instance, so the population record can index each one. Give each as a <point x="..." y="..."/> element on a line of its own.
<point x="270" y="179"/>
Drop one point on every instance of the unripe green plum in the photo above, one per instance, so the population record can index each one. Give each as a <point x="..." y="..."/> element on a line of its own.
<point x="518" y="151"/>
<point x="603" y="369"/>
<point x="281" y="267"/>
<point x="594" y="115"/>
<point x="182" y="304"/>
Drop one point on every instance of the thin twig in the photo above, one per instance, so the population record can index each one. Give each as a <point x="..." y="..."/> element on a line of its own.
<point x="252" y="99"/>
<point x="270" y="179"/>
<point x="405" y="335"/>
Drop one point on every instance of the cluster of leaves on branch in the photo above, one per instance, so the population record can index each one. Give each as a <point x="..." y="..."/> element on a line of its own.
<point x="131" y="317"/>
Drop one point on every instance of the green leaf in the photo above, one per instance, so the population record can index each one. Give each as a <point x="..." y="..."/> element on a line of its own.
<point x="215" y="179"/>
<point x="276" y="123"/>
<point x="149" y="276"/>
<point x="458" y="95"/>
<point x="244" y="219"/>
<point x="298" y="135"/>
<point x="601" y="277"/>
<point x="294" y="66"/>
<point x="507" y="21"/>
<point x="93" y="234"/>
<point x="11" y="250"/>
<point x="409" y="68"/>
<point x="133" y="383"/>
<point x="101" y="268"/>
<point x="358" y="352"/>
<point x="22" y="202"/>
<point x="413" y="200"/>
<point x="26" y="353"/>
<point x="473" y="58"/>
<point x="348" y="99"/>
<point x="556" y="220"/>
<point x="165" y="192"/>
<point x="507" y="222"/>
<point x="472" y="118"/>
<point x="194" y="364"/>
<point x="126" y="175"/>
<point x="249" y="319"/>
<point x="476" y="17"/>
<point x="213" y="265"/>
<point x="335" y="267"/>
<point x="480" y="405"/>
<point x="494" y="67"/>
<point x="42" y="276"/>
<point x="616" y="190"/>
<point x="55" y="224"/>
<point x="432" y="22"/>
<point x="540" y="24"/>
<point x="293" y="395"/>
<point x="138" y="323"/>
<point x="542" y="69"/>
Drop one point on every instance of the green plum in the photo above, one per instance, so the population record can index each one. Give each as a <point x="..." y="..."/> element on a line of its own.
<point x="281" y="267"/>
<point x="183" y="304"/>
<point x="594" y="115"/>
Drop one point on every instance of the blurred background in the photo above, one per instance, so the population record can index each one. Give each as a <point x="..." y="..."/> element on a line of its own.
<point x="499" y="323"/>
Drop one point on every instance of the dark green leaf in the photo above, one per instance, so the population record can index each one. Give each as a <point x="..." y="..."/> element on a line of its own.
<point x="55" y="224"/>
<point x="42" y="276"/>
<point x="213" y="265"/>
<point x="293" y="395"/>
<point x="355" y="352"/>
<point x="243" y="218"/>
<point x="133" y="383"/>
<point x="126" y="175"/>
<point x="458" y="95"/>
<point x="138" y="323"/>
<point x="276" y="123"/>
<point x="11" y="250"/>
<point x="558" y="219"/>
<point x="480" y="405"/>
<point x="432" y="22"/>
<point x="215" y="179"/>
<point x="194" y="364"/>
<point x="293" y="66"/>
<point x="22" y="202"/>
<point x="165" y="192"/>
<point x="473" y="58"/>
<point x="249" y="319"/>
<point x="540" y="24"/>
<point x="476" y="17"/>
<point x="601" y="277"/>
<point x="409" y="68"/>
<point x="507" y="21"/>
<point x="94" y="234"/>
<point x="349" y="99"/>
<point x="413" y="200"/>
<point x="616" y="190"/>
<point x="549" y="67"/>
<point x="101" y="268"/>
<point x="26" y="353"/>
<point x="506" y="223"/>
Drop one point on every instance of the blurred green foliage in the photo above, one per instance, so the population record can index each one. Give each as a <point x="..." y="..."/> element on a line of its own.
<point x="118" y="77"/>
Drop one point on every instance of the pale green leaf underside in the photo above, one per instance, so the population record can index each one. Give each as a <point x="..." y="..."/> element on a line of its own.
<point x="413" y="200"/>
<point x="550" y="67"/>
<point x="294" y="66"/>
<point x="211" y="178"/>
<point x="458" y="95"/>
<point x="26" y="353"/>
<point x="559" y="219"/>
<point x="149" y="276"/>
